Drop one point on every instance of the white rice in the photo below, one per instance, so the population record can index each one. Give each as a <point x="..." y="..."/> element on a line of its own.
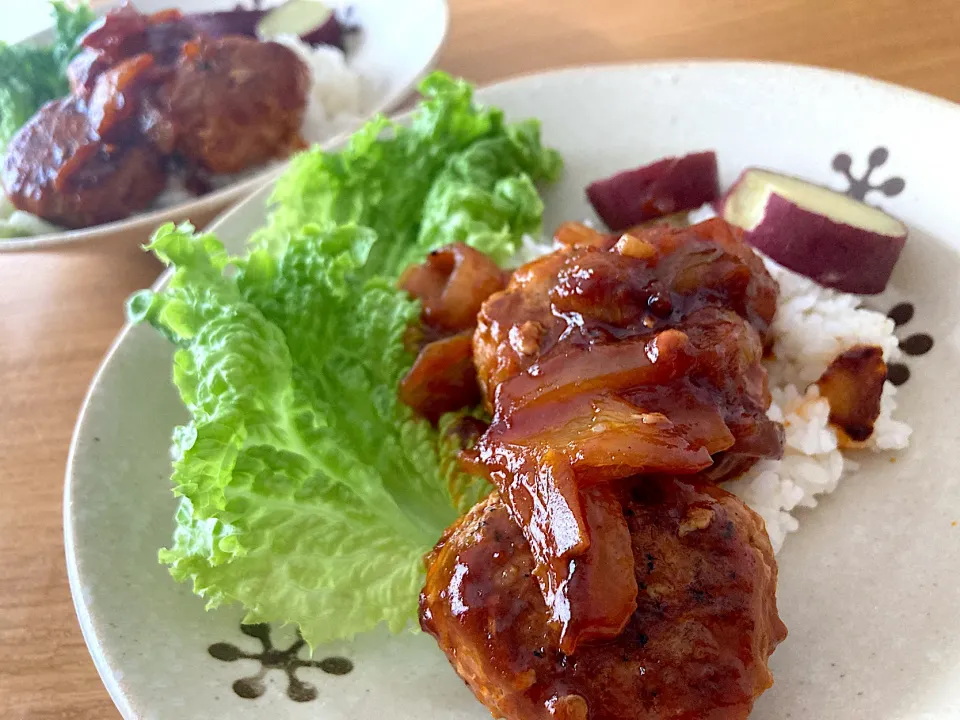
<point x="335" y="104"/>
<point x="811" y="327"/>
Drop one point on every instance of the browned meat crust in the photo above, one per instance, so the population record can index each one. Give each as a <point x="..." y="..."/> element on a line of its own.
<point x="56" y="167"/>
<point x="695" y="648"/>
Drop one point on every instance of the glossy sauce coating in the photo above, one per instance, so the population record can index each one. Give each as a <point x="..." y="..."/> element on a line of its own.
<point x="695" y="646"/>
<point x="451" y="285"/>
<point x="613" y="357"/>
<point x="149" y="94"/>
<point x="58" y="168"/>
<point x="853" y="384"/>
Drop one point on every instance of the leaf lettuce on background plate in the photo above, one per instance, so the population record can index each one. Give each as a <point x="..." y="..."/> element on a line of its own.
<point x="31" y="76"/>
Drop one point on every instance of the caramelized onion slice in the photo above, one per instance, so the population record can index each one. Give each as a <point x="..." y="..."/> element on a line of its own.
<point x="579" y="540"/>
<point x="616" y="366"/>
<point x="853" y="385"/>
<point x="574" y="234"/>
<point x="117" y="34"/>
<point x="113" y="99"/>
<point x="452" y="284"/>
<point x="443" y="378"/>
<point x="607" y="438"/>
<point x="552" y="464"/>
<point x="600" y="593"/>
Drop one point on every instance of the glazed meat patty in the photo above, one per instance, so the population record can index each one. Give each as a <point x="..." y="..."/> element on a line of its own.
<point x="122" y="34"/>
<point x="58" y="168"/>
<point x="613" y="357"/>
<point x="153" y="96"/>
<point x="695" y="648"/>
<point x="598" y="289"/>
<point x="237" y="102"/>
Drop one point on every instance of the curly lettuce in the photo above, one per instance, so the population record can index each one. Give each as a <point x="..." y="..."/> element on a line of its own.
<point x="31" y="76"/>
<point x="456" y="171"/>
<point x="308" y="492"/>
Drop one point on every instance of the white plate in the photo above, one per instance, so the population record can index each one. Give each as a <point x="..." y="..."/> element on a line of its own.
<point x="397" y="45"/>
<point x="869" y="585"/>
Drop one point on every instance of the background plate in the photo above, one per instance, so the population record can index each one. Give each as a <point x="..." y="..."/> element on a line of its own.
<point x="397" y="45"/>
<point x="868" y="586"/>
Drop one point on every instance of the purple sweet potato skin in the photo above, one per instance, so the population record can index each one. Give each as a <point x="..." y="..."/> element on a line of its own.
<point x="330" y="33"/>
<point x="835" y="255"/>
<point x="665" y="187"/>
<point x="229" y="22"/>
<point x="244" y="22"/>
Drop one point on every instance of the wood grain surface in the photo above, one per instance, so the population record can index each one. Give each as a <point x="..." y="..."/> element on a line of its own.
<point x="59" y="311"/>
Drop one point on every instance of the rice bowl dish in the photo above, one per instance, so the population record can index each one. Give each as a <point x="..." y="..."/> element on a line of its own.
<point x="159" y="109"/>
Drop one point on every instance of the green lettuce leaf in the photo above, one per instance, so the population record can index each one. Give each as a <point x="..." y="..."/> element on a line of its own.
<point x="71" y="23"/>
<point x="309" y="493"/>
<point x="30" y="75"/>
<point x="455" y="172"/>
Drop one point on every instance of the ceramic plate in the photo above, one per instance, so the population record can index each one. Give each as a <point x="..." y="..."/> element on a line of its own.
<point x="397" y="45"/>
<point x="869" y="586"/>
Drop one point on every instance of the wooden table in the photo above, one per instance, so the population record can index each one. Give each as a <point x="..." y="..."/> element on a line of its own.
<point x="60" y="311"/>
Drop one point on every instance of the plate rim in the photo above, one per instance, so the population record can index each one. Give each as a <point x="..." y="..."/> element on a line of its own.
<point x="701" y="62"/>
<point x="225" y="197"/>
<point x="85" y="618"/>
